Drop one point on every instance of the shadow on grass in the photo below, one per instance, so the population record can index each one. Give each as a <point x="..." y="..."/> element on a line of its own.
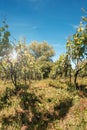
<point x="42" y="120"/>
<point x="29" y="115"/>
<point x="8" y="93"/>
<point x="81" y="89"/>
<point x="5" y="98"/>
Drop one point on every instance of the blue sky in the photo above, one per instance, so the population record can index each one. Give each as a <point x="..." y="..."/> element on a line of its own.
<point x="43" y="20"/>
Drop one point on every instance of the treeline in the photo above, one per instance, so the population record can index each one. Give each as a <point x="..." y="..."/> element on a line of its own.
<point x="23" y="62"/>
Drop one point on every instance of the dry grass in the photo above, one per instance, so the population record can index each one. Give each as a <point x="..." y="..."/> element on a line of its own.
<point x="46" y="105"/>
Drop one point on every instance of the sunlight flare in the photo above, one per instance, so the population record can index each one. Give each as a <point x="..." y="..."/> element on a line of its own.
<point x="13" y="55"/>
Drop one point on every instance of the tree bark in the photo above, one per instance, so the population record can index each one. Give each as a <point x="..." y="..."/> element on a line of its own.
<point x="76" y="75"/>
<point x="75" y="79"/>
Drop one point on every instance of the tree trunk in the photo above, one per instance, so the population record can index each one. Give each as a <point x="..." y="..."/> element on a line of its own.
<point x="76" y="75"/>
<point x="75" y="79"/>
<point x="25" y="78"/>
<point x="15" y="79"/>
<point x="70" y="77"/>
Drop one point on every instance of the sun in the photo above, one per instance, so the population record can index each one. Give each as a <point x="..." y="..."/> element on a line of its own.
<point x="13" y="55"/>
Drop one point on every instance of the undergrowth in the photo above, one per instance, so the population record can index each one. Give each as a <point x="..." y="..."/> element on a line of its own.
<point x="45" y="105"/>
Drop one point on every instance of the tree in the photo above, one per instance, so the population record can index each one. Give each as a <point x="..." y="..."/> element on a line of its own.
<point x="41" y="51"/>
<point x="45" y="68"/>
<point x="77" y="49"/>
<point x="83" y="72"/>
<point x="5" y="48"/>
<point x="43" y="54"/>
<point x="62" y="67"/>
<point x="22" y="68"/>
<point x="5" y="45"/>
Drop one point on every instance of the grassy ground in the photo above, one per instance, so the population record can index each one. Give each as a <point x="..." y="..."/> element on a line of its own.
<point x="45" y="105"/>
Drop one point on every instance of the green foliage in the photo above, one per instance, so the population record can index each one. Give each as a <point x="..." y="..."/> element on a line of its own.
<point x="77" y="45"/>
<point x="77" y="50"/>
<point x="25" y="66"/>
<point x="4" y="39"/>
<point x="45" y="67"/>
<point x="41" y="51"/>
<point x="62" y="67"/>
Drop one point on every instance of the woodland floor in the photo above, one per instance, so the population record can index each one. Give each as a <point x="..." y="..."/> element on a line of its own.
<point x="43" y="105"/>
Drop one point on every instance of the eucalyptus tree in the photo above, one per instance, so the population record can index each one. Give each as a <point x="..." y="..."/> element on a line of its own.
<point x="42" y="51"/>
<point x="83" y="72"/>
<point x="61" y="67"/>
<point x="18" y="65"/>
<point x="26" y="62"/>
<point x="4" y="40"/>
<point x="22" y="66"/>
<point x="43" y="54"/>
<point x="77" y="49"/>
<point x="5" y="48"/>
